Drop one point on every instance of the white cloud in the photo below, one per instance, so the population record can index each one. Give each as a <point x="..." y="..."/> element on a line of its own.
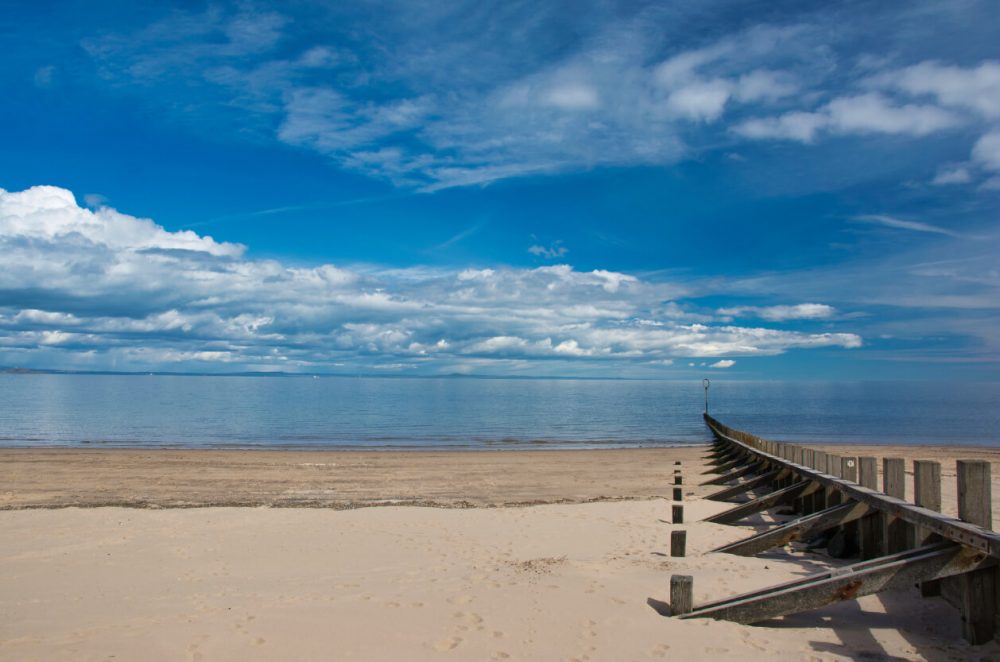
<point x="48" y="213"/>
<point x="452" y="114"/>
<point x="102" y="288"/>
<point x="800" y="126"/>
<point x="573" y="96"/>
<point x="986" y="151"/>
<point x="801" y="311"/>
<point x="873" y="113"/>
<point x="764" y="85"/>
<point x="952" y="175"/>
<point x="975" y="88"/>
<point x="549" y="252"/>
<point x="701" y="100"/>
<point x="725" y="363"/>
<point x="860" y="114"/>
<point x="901" y="224"/>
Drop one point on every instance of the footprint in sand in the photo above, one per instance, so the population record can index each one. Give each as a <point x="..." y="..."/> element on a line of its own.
<point x="448" y="644"/>
<point x="660" y="651"/>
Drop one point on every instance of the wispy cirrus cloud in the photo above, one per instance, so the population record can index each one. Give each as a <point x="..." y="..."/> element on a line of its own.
<point x="99" y="289"/>
<point x="626" y="86"/>
<point x="903" y="224"/>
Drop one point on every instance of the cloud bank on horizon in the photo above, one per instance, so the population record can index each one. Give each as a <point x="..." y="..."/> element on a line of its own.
<point x="99" y="289"/>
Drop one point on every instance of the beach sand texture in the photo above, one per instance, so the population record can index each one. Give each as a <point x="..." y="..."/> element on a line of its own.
<point x="567" y="579"/>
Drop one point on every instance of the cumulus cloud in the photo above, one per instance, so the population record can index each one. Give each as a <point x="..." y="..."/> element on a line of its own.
<point x="100" y="289"/>
<point x="724" y="363"/>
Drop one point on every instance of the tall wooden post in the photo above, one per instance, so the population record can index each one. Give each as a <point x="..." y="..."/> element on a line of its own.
<point x="870" y="526"/>
<point x="894" y="484"/>
<point x="834" y="466"/>
<point x="926" y="493"/>
<point x="849" y="471"/>
<point x="819" y="496"/>
<point x="978" y="588"/>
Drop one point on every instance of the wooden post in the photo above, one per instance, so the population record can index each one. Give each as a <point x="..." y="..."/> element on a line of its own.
<point x="870" y="527"/>
<point x="926" y="493"/>
<point x="681" y="594"/>
<point x="678" y="494"/>
<point x="809" y="460"/>
<point x="894" y="484"/>
<point x="795" y="456"/>
<point x="678" y="480"/>
<point x="849" y="471"/>
<point x="849" y="468"/>
<point x="678" y="543"/>
<point x="978" y="589"/>
<point x="834" y="465"/>
<point x="819" y="498"/>
<point x="678" y="515"/>
<point x="677" y="462"/>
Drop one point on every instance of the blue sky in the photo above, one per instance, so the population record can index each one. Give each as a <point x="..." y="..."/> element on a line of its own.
<point x="783" y="190"/>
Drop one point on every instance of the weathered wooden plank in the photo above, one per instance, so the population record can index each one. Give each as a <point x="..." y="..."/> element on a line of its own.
<point x="733" y="475"/>
<point x="746" y="486"/>
<point x="895" y="531"/>
<point x="797" y="529"/>
<point x="819" y="497"/>
<point x="834" y="464"/>
<point x="978" y="589"/>
<point x="849" y="472"/>
<point x="948" y="527"/>
<point x="765" y="502"/>
<point x="681" y="594"/>
<point x="731" y="464"/>
<point x="864" y="578"/>
<point x="926" y="493"/>
<point x="870" y="527"/>
<point x="678" y="543"/>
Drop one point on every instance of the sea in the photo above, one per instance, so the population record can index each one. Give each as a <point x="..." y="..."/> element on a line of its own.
<point x="291" y="412"/>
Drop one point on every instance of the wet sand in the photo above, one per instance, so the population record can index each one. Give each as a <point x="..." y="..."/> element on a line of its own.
<point x="347" y="479"/>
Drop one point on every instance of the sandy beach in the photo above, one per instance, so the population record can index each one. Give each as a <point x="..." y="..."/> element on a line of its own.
<point x="552" y="555"/>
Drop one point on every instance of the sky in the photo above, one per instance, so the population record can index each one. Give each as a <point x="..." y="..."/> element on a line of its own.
<point x="656" y="190"/>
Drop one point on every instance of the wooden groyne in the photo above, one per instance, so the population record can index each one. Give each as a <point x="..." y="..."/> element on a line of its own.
<point x="897" y="544"/>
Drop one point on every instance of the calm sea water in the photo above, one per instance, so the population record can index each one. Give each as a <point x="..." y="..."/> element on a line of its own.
<point x="175" y="411"/>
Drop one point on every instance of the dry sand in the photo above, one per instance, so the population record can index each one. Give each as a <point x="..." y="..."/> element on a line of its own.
<point x="569" y="579"/>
